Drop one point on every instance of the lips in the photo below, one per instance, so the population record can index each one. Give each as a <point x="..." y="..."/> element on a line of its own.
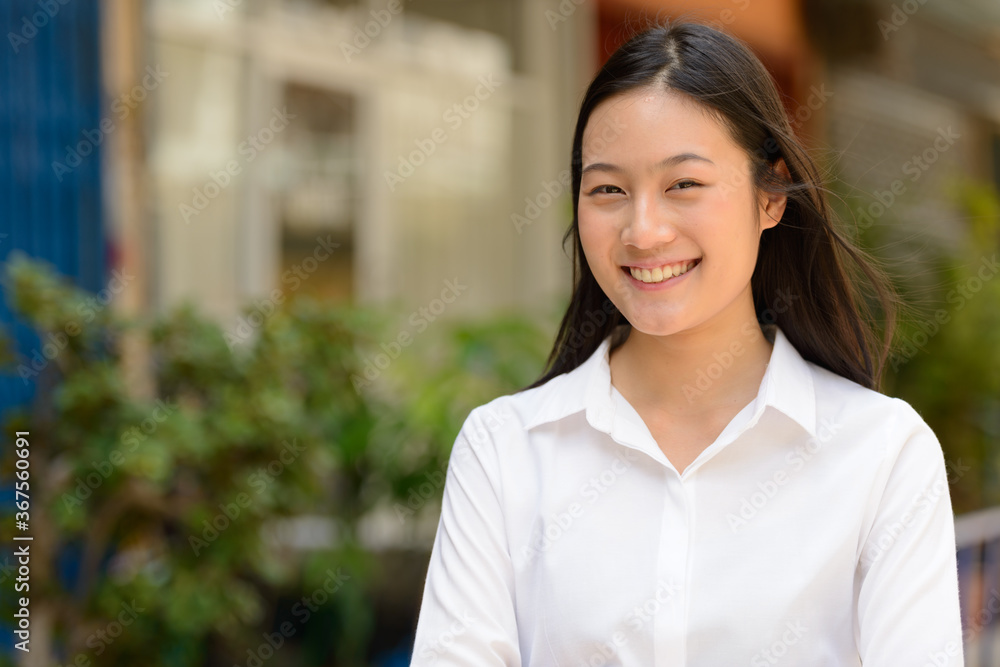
<point x="663" y="272"/>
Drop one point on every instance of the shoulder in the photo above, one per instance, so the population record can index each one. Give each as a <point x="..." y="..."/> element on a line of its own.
<point x="522" y="411"/>
<point x="494" y="438"/>
<point x="512" y="413"/>
<point x="837" y="392"/>
<point x="888" y="423"/>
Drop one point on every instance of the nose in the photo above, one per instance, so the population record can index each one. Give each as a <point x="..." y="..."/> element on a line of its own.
<point x="648" y="224"/>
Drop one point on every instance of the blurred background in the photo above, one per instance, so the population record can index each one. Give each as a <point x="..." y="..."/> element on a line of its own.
<point x="261" y="257"/>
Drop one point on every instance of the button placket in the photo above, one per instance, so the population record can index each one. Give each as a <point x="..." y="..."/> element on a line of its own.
<point x="675" y="535"/>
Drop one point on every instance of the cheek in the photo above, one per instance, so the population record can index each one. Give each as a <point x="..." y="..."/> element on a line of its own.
<point x="727" y="226"/>
<point x="593" y="238"/>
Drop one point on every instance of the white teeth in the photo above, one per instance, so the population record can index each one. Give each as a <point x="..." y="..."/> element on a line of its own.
<point x="660" y="274"/>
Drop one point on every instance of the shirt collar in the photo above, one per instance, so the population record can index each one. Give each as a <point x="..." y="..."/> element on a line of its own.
<point x="787" y="386"/>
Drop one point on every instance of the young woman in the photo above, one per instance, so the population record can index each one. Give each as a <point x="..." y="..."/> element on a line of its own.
<point x="706" y="475"/>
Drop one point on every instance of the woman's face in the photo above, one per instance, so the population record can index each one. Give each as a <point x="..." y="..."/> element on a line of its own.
<point x="665" y="191"/>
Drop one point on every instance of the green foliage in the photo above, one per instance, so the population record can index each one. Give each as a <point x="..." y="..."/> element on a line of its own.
<point x="172" y="502"/>
<point x="949" y="360"/>
<point x="946" y="361"/>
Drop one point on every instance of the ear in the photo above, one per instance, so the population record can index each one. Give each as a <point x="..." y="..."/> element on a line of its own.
<point x="773" y="206"/>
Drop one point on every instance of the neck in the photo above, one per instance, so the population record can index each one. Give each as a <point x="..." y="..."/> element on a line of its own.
<point x="697" y="372"/>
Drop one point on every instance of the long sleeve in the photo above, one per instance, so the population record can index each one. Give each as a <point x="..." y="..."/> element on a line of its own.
<point x="908" y="601"/>
<point x="467" y="610"/>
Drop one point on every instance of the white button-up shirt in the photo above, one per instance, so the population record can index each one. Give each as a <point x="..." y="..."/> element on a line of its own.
<point x="816" y="531"/>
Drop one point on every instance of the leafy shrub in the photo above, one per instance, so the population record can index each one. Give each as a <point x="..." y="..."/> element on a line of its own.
<point x="166" y="509"/>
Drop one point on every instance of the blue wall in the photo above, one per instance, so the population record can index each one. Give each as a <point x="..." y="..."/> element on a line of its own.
<point x="50" y="103"/>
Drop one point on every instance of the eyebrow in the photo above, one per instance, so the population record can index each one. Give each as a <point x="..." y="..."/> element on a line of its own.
<point x="666" y="162"/>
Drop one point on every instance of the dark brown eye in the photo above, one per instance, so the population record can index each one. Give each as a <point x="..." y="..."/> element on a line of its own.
<point x="600" y="189"/>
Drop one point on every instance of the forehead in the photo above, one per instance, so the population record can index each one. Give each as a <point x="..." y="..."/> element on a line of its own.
<point x="656" y="119"/>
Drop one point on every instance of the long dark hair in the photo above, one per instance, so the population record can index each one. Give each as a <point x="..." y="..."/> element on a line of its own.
<point x="832" y="320"/>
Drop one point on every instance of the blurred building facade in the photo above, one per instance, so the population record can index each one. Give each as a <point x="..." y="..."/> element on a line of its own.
<point x="363" y="152"/>
<point x="422" y="140"/>
<point x="50" y="169"/>
<point x="916" y="106"/>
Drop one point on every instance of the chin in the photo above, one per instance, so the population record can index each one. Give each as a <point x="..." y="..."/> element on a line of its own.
<point x="657" y="326"/>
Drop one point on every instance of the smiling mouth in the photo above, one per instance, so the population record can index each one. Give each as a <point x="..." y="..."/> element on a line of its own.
<point x="661" y="273"/>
